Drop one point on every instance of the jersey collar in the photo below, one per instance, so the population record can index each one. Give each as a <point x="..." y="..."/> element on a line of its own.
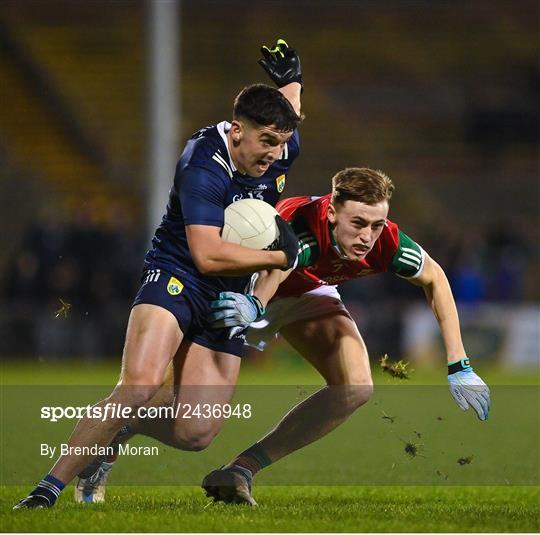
<point x="335" y="245"/>
<point x="222" y="129"/>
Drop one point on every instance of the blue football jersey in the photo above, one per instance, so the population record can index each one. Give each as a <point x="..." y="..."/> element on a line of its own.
<point x="206" y="181"/>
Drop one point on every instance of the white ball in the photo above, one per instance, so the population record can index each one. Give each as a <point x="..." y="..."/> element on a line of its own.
<point x="251" y="223"/>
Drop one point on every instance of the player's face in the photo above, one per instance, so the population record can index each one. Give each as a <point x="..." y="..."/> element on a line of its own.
<point x="255" y="148"/>
<point x="357" y="226"/>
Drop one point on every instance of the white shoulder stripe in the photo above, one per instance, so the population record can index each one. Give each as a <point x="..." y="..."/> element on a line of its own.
<point x="414" y="264"/>
<point x="222" y="159"/>
<point x="304" y="245"/>
<point x="219" y="159"/>
<point x="412" y="251"/>
<point x="414" y="258"/>
<point x="420" y="268"/>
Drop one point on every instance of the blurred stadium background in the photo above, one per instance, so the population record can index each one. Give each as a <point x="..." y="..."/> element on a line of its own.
<point x="443" y="96"/>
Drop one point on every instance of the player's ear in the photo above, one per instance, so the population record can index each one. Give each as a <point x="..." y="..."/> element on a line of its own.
<point x="236" y="131"/>
<point x="331" y="214"/>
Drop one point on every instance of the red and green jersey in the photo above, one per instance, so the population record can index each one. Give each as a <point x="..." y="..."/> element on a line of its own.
<point x="319" y="260"/>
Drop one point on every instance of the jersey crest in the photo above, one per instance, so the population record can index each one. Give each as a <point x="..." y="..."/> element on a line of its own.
<point x="280" y="183"/>
<point x="174" y="286"/>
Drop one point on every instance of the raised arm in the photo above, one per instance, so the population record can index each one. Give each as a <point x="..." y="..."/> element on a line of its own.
<point x="466" y="387"/>
<point x="292" y="93"/>
<point x="282" y="64"/>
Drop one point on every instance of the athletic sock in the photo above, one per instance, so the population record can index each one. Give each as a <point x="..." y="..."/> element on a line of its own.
<point x="124" y="430"/>
<point x="49" y="488"/>
<point x="115" y="443"/>
<point x="252" y="459"/>
<point x="110" y="458"/>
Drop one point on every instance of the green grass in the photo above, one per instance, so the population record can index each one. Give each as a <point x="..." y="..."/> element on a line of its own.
<point x="286" y="368"/>
<point x="289" y="509"/>
<point x="367" y="450"/>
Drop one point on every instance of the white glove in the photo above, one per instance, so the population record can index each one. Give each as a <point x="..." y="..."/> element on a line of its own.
<point x="468" y="389"/>
<point x="235" y="310"/>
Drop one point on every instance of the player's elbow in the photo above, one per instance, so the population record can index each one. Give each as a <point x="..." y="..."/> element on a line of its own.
<point x="208" y="260"/>
<point x="212" y="268"/>
<point x="204" y="263"/>
<point x="205" y="266"/>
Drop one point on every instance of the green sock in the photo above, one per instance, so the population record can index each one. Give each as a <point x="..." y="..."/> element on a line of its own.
<point x="254" y="459"/>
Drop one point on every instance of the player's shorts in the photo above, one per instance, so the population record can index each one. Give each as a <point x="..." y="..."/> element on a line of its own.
<point x="281" y="312"/>
<point x="189" y="307"/>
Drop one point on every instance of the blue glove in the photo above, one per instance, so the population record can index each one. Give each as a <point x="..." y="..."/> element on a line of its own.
<point x="235" y="310"/>
<point x="468" y="389"/>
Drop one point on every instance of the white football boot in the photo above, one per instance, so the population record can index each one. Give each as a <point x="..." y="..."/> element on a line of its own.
<point x="92" y="489"/>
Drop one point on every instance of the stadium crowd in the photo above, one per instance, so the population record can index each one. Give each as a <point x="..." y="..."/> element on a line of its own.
<point x="94" y="267"/>
<point x="463" y="125"/>
<point x="90" y="266"/>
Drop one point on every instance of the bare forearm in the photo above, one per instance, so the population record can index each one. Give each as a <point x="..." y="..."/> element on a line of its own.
<point x="441" y="300"/>
<point x="267" y="284"/>
<point x="292" y="93"/>
<point x="230" y="259"/>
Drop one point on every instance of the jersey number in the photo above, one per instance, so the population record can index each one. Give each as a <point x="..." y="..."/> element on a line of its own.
<point x="251" y="195"/>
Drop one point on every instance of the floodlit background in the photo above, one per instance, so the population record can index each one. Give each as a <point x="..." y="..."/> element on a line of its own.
<point x="442" y="96"/>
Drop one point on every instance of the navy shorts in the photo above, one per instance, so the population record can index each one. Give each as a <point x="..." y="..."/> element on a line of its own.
<point x="189" y="307"/>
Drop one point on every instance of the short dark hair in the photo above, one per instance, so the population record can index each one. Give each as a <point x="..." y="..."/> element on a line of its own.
<point x="361" y="184"/>
<point x="266" y="106"/>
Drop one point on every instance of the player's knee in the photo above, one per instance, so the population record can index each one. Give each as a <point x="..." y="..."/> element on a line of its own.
<point x="353" y="388"/>
<point x="193" y="439"/>
<point x="135" y="392"/>
<point x="357" y="395"/>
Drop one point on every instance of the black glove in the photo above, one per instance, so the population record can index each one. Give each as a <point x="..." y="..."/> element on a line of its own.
<point x="286" y="242"/>
<point x="282" y="64"/>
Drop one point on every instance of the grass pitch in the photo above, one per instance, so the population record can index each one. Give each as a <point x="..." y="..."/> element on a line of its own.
<point x="328" y="508"/>
<point x="288" y="509"/>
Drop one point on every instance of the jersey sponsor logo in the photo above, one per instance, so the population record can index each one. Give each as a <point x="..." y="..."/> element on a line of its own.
<point x="336" y="265"/>
<point x="152" y="275"/>
<point x="280" y="183"/>
<point x="174" y="286"/>
<point x="257" y="187"/>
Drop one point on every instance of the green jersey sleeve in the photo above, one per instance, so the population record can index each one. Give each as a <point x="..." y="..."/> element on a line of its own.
<point x="408" y="260"/>
<point x="308" y="248"/>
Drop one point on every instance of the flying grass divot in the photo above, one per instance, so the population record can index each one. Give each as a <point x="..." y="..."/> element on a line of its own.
<point x="397" y="369"/>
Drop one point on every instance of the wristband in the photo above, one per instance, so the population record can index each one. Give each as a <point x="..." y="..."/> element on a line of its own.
<point x="459" y="366"/>
<point x="257" y="302"/>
